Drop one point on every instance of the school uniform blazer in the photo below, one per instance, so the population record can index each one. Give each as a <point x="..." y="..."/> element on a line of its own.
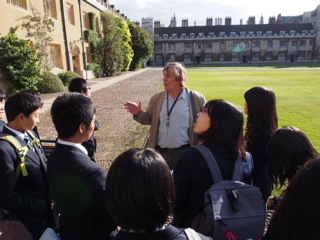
<point x="77" y="186"/>
<point x="151" y="116"/>
<point x="27" y="200"/>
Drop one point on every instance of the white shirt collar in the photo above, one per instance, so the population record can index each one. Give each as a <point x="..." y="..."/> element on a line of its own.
<point x="77" y="145"/>
<point x="18" y="133"/>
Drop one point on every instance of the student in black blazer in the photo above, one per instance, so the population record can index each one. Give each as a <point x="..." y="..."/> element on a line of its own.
<point x="76" y="183"/>
<point x="24" y="198"/>
<point x="79" y="85"/>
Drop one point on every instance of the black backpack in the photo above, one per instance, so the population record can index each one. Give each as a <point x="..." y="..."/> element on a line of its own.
<point x="232" y="209"/>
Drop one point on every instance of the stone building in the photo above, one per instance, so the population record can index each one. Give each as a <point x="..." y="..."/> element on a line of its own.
<point x="285" y="39"/>
<point x="68" y="50"/>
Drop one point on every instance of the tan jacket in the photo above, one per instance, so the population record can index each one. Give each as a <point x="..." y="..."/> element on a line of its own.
<point x="151" y="116"/>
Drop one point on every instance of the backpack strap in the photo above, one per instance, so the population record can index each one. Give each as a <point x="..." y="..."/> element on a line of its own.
<point x="211" y="162"/>
<point x="192" y="234"/>
<point x="21" y="152"/>
<point x="214" y="168"/>
<point x="238" y="168"/>
<point x="35" y="140"/>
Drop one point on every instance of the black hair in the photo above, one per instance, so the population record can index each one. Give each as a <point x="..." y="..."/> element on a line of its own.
<point x="77" y="85"/>
<point x="226" y="128"/>
<point x="288" y="149"/>
<point x="297" y="215"/>
<point x="262" y="112"/>
<point x="140" y="190"/>
<point x="69" y="110"/>
<point x="21" y="102"/>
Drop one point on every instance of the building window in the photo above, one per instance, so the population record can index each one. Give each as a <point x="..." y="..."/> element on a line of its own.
<point x="70" y="14"/>
<point x="255" y="56"/>
<point x="283" y="43"/>
<point x="222" y="46"/>
<point x="311" y="42"/>
<point x="18" y="3"/>
<point x="282" y="56"/>
<point x="236" y="44"/>
<point x="201" y="34"/>
<point x="50" y="8"/>
<point x="282" y="32"/>
<point x="174" y="35"/>
<point x="303" y="43"/>
<point x="309" y="54"/>
<point x="187" y="57"/>
<point x="232" y="34"/>
<point x="199" y="45"/>
<point x="221" y="34"/>
<point x="259" y="33"/>
<point x="55" y="57"/>
<point x="294" y="43"/>
<point x="211" y="34"/>
<point x="301" y="54"/>
<point x="86" y="23"/>
<point x="192" y="35"/>
<point x="242" y="34"/>
<point x="246" y="44"/>
<point x="208" y="45"/>
<point x="256" y="44"/>
<point x="270" y="44"/>
<point x="187" y="46"/>
<point x="207" y="57"/>
<point x="269" y="32"/>
<point x="269" y="55"/>
<point x="171" y="57"/>
<point x="292" y="32"/>
<point x="165" y="35"/>
<point x="172" y="46"/>
<point x="159" y="58"/>
<point x="158" y="46"/>
<point x="221" y="56"/>
<point x="183" y="35"/>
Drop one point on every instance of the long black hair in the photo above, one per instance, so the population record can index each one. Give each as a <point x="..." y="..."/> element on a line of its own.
<point x="226" y="128"/>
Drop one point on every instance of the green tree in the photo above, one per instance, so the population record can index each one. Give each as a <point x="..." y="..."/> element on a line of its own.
<point x="141" y="45"/>
<point x="111" y="56"/>
<point x="38" y="31"/>
<point x="93" y="37"/>
<point x="18" y="62"/>
<point x="126" y="47"/>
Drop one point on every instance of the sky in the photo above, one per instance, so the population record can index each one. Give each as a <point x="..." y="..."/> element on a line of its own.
<point x="199" y="10"/>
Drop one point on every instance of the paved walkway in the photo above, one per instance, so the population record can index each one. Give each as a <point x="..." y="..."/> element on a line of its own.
<point x="100" y="84"/>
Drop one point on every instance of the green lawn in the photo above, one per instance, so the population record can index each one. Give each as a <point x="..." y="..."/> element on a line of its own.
<point x="297" y="90"/>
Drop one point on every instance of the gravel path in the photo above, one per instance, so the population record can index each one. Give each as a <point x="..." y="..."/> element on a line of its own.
<point x="118" y="131"/>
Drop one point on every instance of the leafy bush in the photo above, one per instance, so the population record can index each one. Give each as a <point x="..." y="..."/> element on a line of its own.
<point x="50" y="83"/>
<point x="67" y="76"/>
<point x="18" y="62"/>
<point x="96" y="68"/>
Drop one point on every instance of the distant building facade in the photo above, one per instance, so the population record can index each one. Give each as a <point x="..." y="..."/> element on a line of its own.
<point x="68" y="51"/>
<point x="285" y="39"/>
